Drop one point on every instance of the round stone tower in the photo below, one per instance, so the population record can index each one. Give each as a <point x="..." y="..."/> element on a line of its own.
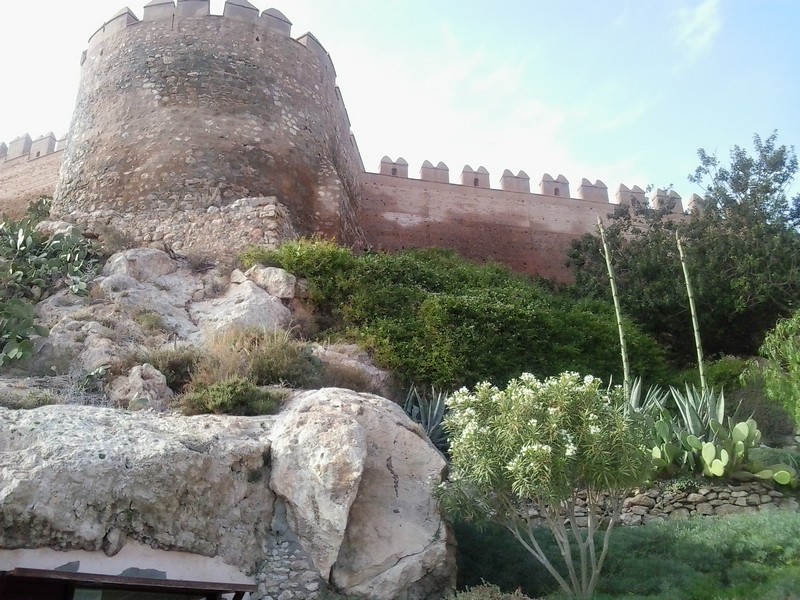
<point x="182" y="114"/>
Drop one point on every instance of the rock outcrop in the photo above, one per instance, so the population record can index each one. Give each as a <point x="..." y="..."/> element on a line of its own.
<point x="337" y="487"/>
<point x="148" y="286"/>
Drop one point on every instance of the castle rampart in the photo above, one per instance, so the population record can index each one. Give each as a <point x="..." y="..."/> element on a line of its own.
<point x="217" y="131"/>
<point x="28" y="169"/>
<point x="183" y="104"/>
<point x="530" y="232"/>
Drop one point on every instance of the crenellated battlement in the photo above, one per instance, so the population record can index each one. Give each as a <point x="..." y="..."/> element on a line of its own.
<point x="24" y="148"/>
<point x="557" y="187"/>
<point x="270" y="22"/>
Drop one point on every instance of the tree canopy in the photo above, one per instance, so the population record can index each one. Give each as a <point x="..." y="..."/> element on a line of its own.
<point x="743" y="251"/>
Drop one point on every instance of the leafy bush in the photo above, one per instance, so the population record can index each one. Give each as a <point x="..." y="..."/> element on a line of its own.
<point x="537" y="443"/>
<point x="722" y="374"/>
<point x="774" y="421"/>
<point x="33" y="266"/>
<point x="17" y="329"/>
<point x="234" y="396"/>
<point x="177" y="364"/>
<point x="781" y="372"/>
<point x="150" y="322"/>
<point x="434" y="318"/>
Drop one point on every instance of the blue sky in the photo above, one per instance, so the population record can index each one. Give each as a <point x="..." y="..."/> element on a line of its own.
<point x="618" y="90"/>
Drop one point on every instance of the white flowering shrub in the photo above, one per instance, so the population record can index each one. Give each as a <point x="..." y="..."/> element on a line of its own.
<point x="547" y="446"/>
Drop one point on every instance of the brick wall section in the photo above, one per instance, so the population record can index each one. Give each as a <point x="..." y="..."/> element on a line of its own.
<point x="530" y="233"/>
<point x="23" y="180"/>
<point x="171" y="111"/>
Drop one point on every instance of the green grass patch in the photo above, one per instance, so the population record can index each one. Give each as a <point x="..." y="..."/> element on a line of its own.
<point x="235" y="396"/>
<point x="747" y="557"/>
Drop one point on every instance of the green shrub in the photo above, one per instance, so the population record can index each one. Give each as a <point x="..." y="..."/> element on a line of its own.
<point x="774" y="421"/>
<point x="434" y="318"/>
<point x="150" y="322"/>
<point x="17" y="329"/>
<point x="235" y="396"/>
<point x="722" y="374"/>
<point x="781" y="372"/>
<point x="327" y="266"/>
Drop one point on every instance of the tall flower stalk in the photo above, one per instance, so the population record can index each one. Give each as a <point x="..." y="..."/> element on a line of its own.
<point x="695" y="325"/>
<point x="626" y="368"/>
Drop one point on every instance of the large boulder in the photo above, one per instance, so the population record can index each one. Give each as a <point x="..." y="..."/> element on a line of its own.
<point x="338" y="486"/>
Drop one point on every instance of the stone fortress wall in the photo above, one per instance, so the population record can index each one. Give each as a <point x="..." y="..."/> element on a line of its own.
<point x="28" y="169"/>
<point x="529" y="231"/>
<point x="182" y="114"/>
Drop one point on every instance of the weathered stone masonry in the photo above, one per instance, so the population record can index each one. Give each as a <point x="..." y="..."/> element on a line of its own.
<point x="28" y="169"/>
<point x="182" y="114"/>
<point x="184" y="106"/>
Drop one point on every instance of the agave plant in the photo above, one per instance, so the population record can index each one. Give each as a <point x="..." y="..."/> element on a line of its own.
<point x="428" y="411"/>
<point x="699" y="409"/>
<point x="653" y="402"/>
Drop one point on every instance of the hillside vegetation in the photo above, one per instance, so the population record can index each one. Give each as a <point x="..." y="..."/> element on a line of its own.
<point x="433" y="317"/>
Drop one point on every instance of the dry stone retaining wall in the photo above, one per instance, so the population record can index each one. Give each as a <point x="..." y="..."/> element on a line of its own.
<point x="662" y="504"/>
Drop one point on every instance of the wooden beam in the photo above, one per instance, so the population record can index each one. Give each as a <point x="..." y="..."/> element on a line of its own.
<point x="142" y="583"/>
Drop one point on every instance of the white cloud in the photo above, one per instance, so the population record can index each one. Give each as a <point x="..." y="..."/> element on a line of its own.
<point x="698" y="27"/>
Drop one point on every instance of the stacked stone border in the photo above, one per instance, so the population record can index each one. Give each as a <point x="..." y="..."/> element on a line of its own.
<point x="666" y="503"/>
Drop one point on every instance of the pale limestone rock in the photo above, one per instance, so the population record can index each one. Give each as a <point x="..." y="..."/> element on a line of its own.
<point x="395" y="539"/>
<point x="640" y="500"/>
<point x="351" y="361"/>
<point x="76" y="477"/>
<point x="318" y="460"/>
<point x="143" y="264"/>
<point x="347" y="470"/>
<point x="93" y="332"/>
<point x="144" y="387"/>
<point x="243" y="305"/>
<point x="53" y="228"/>
<point x="238" y="277"/>
<point x="730" y="509"/>
<point x="276" y="282"/>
